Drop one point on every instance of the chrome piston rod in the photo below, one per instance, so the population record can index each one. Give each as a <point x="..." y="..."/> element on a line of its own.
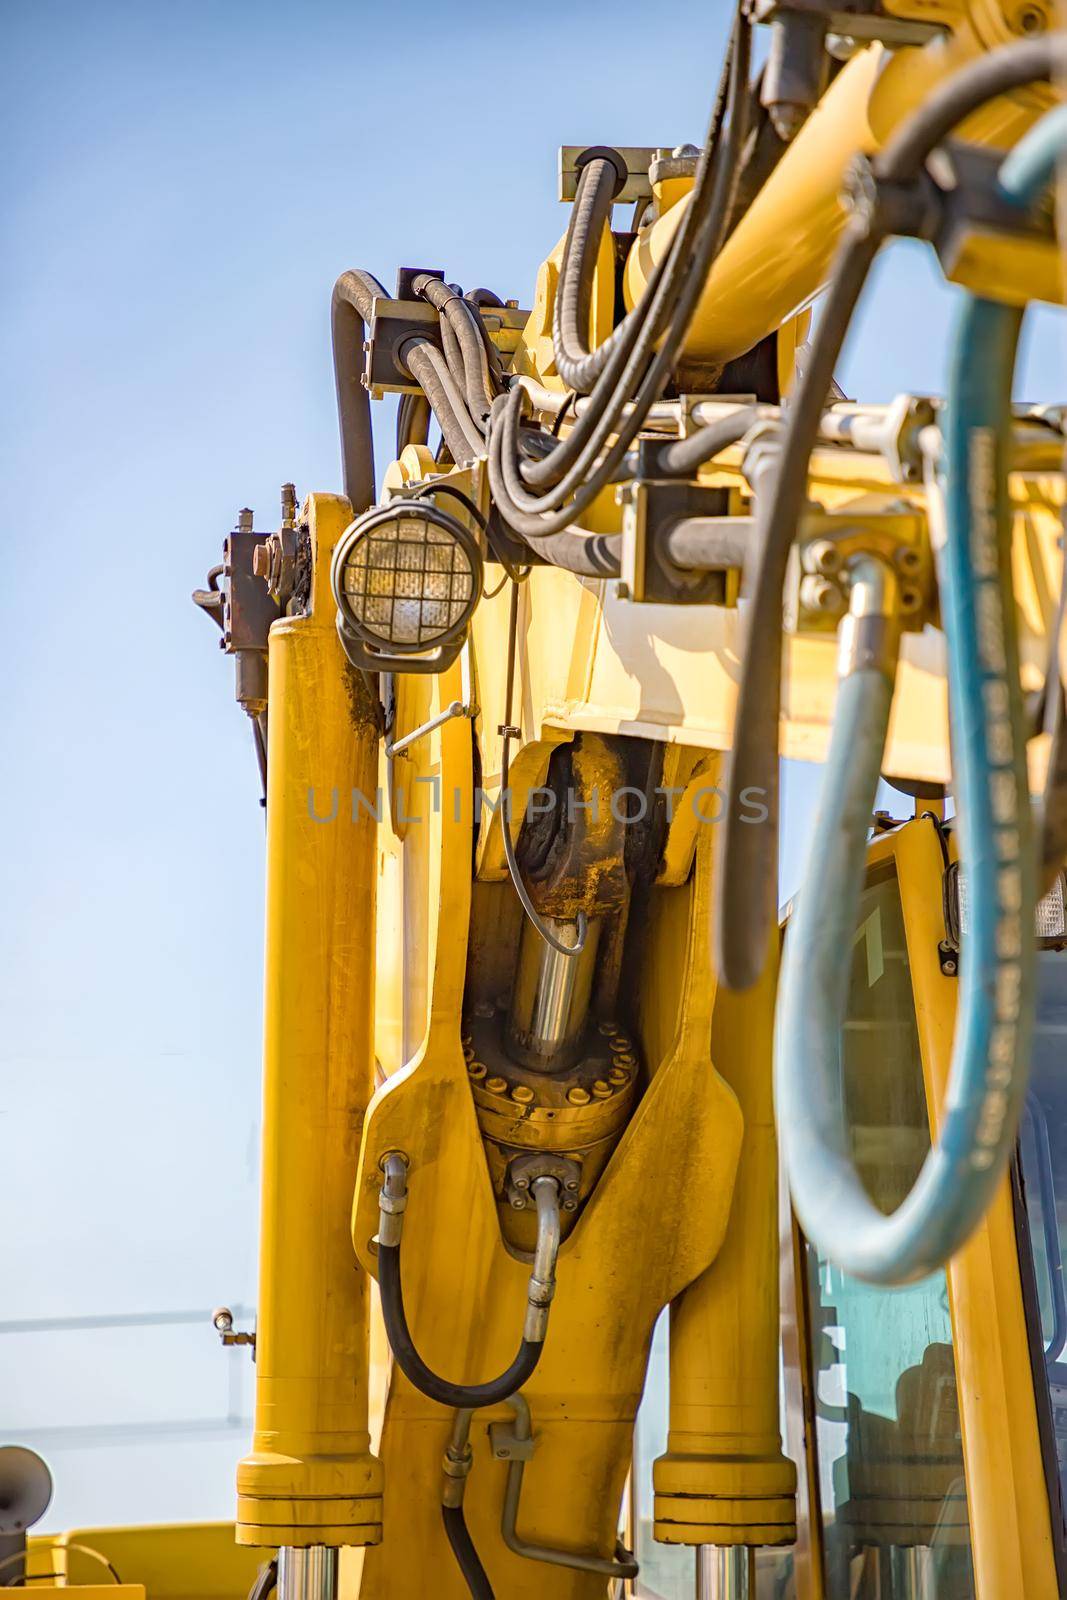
<point x="551" y="999"/>
<point x="307" y="1573"/>
<point x="724" y="1572"/>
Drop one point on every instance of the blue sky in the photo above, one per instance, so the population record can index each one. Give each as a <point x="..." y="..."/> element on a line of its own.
<point x="182" y="185"/>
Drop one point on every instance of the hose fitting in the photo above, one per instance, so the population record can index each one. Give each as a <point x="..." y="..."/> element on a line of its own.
<point x="870" y="634"/>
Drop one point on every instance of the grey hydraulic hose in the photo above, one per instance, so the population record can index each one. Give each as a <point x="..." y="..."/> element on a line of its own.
<point x="598" y="184"/>
<point x="427" y="366"/>
<point x="747" y="898"/>
<point x="353" y="295"/>
<point x="682" y="459"/>
<point x="460" y="318"/>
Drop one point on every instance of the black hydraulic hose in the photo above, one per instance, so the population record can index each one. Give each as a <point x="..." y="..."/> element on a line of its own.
<point x="747" y="898"/>
<point x="598" y="183"/>
<point x="427" y="366"/>
<point x="524" y="512"/>
<point x="412" y="421"/>
<point x="460" y="1395"/>
<point x="353" y="294"/>
<point x="541" y="1287"/>
<point x="625" y="353"/>
<point x="642" y="326"/>
<point x="467" y="1557"/>
<point x="681" y="459"/>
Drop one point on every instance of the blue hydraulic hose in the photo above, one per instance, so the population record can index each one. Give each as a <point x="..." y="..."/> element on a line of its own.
<point x="990" y="1062"/>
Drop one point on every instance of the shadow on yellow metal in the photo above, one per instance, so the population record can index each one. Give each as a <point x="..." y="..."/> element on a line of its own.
<point x="656" y="1220"/>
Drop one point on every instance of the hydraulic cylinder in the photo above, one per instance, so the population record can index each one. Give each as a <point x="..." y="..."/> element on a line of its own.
<point x="724" y="1480"/>
<point x="310" y="1479"/>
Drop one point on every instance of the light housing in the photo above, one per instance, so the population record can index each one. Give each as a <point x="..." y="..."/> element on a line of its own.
<point x="406" y="578"/>
<point x="1050" y="913"/>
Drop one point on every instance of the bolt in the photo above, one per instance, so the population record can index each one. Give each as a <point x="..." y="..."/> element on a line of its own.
<point x="497" y="1085"/>
<point x="261" y="561"/>
<point x="578" y="1096"/>
<point x="522" y="1093"/>
<point x="618" y="1076"/>
<point x="601" y="1090"/>
<point x="522" y="1183"/>
<point x="825" y="556"/>
<point x="468" y="1052"/>
<point x="512" y="305"/>
<point x="477" y="1070"/>
<point x="288" y="505"/>
<point x="570" y="1205"/>
<point x="244" y="520"/>
<point x="624" y="1058"/>
<point x="571" y="1183"/>
<point x="910" y="598"/>
<point x="517" y="1204"/>
<point x="908" y="558"/>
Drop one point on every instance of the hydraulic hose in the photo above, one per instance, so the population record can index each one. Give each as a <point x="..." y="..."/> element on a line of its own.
<point x="598" y="184"/>
<point x="990" y="1058"/>
<point x="541" y="1287"/>
<point x="457" y="1467"/>
<point x="467" y="1557"/>
<point x="590" y="555"/>
<point x="683" y="458"/>
<point x="427" y="366"/>
<point x="633" y="365"/>
<point x="460" y="318"/>
<point x="350" y="310"/>
<point x="746" y="902"/>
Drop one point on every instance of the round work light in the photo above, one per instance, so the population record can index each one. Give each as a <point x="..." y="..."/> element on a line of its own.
<point x="406" y="578"/>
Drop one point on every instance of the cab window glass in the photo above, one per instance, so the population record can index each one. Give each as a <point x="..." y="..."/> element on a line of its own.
<point x="1043" y="1145"/>
<point x="889" y="1451"/>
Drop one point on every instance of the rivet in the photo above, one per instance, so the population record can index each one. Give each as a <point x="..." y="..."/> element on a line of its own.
<point x="578" y="1096"/>
<point x="602" y="1090"/>
<point x="477" y="1070"/>
<point x="522" y="1093"/>
<point x="496" y="1085"/>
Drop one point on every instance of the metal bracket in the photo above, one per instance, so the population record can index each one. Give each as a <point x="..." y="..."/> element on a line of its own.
<point x="506" y="1444"/>
<point x="866" y="23"/>
<point x="816" y="593"/>
<point x="632" y="159"/>
<point x="646" y="573"/>
<point x="222" y="1321"/>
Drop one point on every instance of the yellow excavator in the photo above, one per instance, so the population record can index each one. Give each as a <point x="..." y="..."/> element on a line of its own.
<point x="622" y="1234"/>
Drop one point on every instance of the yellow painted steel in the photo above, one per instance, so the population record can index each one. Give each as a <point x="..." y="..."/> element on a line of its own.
<point x="777" y="258"/>
<point x="655" y="1221"/>
<point x="1011" y="1534"/>
<point x="725" y="1479"/>
<point x="310" y="1477"/>
<point x="168" y="1561"/>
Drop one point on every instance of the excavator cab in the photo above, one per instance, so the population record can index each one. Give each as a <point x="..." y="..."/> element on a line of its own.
<point x="927" y="1421"/>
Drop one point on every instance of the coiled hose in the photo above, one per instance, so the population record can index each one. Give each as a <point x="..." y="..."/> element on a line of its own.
<point x="748" y="876"/>
<point x="991" y="1051"/>
<point x="542" y="1283"/>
